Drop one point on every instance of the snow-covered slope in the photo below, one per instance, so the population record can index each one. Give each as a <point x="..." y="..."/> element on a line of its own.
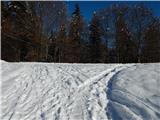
<point x="44" y="91"/>
<point x="135" y="93"/>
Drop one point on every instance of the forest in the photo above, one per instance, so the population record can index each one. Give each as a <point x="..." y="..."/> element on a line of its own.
<point x="43" y="31"/>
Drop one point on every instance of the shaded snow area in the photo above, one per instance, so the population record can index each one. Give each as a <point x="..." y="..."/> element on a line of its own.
<point x="44" y="91"/>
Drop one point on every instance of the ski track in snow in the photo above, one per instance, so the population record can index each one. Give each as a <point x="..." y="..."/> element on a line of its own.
<point x="60" y="92"/>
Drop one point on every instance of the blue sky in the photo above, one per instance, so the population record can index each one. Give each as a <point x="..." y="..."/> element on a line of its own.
<point x="88" y="7"/>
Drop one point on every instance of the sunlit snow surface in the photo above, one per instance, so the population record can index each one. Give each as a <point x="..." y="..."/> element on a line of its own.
<point x="45" y="91"/>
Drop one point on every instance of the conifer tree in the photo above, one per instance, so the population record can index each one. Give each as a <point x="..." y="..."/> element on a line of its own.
<point x="151" y="45"/>
<point x="95" y="39"/>
<point x="124" y="45"/>
<point x="75" y="32"/>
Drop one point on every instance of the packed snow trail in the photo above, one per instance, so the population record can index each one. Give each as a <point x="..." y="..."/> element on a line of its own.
<point x="41" y="91"/>
<point x="44" y="91"/>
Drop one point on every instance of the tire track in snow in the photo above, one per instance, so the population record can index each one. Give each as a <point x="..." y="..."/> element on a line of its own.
<point x="110" y="101"/>
<point x="89" y="88"/>
<point x="137" y="99"/>
<point x="98" y="100"/>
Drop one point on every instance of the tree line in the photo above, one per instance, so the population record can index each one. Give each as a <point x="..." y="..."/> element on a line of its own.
<point x="43" y="31"/>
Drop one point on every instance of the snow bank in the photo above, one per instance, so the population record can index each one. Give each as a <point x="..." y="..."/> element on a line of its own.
<point x="135" y="93"/>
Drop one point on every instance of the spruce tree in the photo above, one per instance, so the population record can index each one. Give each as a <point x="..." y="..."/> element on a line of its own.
<point x="95" y="39"/>
<point x="124" y="45"/>
<point x="151" y="45"/>
<point x="75" y="31"/>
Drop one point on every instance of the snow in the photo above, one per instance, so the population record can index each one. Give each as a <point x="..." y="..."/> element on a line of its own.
<point x="135" y="91"/>
<point x="50" y="91"/>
